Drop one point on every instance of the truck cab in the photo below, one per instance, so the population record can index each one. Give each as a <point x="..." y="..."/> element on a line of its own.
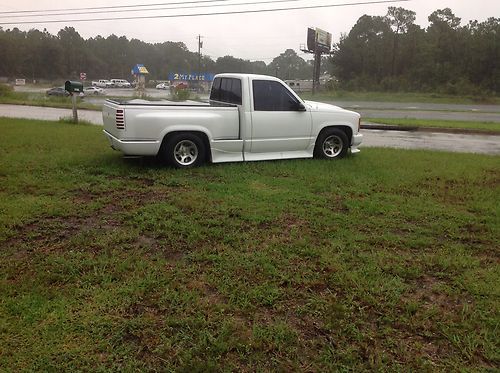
<point x="276" y="122"/>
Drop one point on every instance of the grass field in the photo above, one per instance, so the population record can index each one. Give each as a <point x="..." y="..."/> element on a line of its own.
<point x="40" y="99"/>
<point x="387" y="260"/>
<point x="453" y="124"/>
<point x="432" y="98"/>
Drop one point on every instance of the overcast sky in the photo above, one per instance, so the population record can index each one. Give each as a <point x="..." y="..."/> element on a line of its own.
<point x="259" y="36"/>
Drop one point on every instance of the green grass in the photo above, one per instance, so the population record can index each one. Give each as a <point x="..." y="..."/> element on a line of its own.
<point x="40" y="99"/>
<point x="453" y="124"/>
<point x="387" y="260"/>
<point x="434" y="98"/>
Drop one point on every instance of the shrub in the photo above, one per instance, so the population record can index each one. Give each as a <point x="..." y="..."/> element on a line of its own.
<point x="180" y="94"/>
<point x="5" y="90"/>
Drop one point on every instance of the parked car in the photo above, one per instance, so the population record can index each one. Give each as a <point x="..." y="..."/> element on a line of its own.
<point x="180" y="85"/>
<point x="120" y="83"/>
<point x="102" y="83"/>
<point x="94" y="91"/>
<point x="248" y="118"/>
<point x="57" y="91"/>
<point x="163" y="86"/>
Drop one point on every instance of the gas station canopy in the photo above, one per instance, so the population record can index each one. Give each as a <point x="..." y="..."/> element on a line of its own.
<point x="139" y="69"/>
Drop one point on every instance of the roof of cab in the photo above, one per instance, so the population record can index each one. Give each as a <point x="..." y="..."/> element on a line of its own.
<point x="250" y="76"/>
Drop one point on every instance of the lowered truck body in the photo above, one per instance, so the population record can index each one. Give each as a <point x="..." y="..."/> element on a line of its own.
<point x="249" y="118"/>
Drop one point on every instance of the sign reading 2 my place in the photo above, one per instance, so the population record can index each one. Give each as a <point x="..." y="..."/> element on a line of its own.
<point x="207" y="77"/>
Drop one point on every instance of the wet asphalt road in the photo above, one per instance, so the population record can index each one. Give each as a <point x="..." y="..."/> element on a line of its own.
<point x="460" y="143"/>
<point x="372" y="138"/>
<point x="47" y="113"/>
<point x="367" y="109"/>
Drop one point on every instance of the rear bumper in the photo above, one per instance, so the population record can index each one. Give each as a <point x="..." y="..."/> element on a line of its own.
<point x="134" y="147"/>
<point x="356" y="141"/>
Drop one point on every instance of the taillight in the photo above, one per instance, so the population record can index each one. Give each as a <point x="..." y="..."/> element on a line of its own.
<point x="120" y="119"/>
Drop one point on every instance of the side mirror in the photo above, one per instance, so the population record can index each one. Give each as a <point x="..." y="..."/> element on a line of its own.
<point x="301" y="107"/>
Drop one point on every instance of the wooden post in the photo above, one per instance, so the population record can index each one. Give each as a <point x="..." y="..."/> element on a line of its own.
<point x="75" y="112"/>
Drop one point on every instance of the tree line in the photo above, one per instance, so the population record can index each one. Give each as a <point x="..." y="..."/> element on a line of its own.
<point x="393" y="53"/>
<point x="384" y="53"/>
<point x="39" y="55"/>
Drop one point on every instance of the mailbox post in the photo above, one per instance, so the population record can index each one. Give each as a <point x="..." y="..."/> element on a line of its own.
<point x="73" y="87"/>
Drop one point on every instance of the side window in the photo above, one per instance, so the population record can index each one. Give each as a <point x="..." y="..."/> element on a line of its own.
<point x="269" y="95"/>
<point x="226" y="90"/>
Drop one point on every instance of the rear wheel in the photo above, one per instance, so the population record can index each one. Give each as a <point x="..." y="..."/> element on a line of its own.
<point x="332" y="143"/>
<point x="184" y="150"/>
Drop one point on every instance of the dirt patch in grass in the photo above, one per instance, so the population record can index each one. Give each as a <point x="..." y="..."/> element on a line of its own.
<point x="285" y="229"/>
<point x="209" y="295"/>
<point x="426" y="293"/>
<point x="51" y="232"/>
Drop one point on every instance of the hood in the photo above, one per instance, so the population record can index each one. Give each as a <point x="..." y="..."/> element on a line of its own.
<point x="322" y="107"/>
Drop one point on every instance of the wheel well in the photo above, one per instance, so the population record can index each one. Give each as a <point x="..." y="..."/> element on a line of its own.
<point x="203" y="136"/>
<point x="347" y="130"/>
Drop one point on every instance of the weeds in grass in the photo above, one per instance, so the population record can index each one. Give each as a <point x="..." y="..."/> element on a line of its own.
<point x="304" y="265"/>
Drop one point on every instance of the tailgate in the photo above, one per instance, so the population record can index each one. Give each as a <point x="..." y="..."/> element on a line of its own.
<point x="113" y="117"/>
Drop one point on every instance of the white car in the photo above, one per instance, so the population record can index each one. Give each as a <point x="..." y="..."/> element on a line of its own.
<point x="249" y="118"/>
<point x="94" y="91"/>
<point x="102" y="83"/>
<point x="120" y="83"/>
<point x="163" y="86"/>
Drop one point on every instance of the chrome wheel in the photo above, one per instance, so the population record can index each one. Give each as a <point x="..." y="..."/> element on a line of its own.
<point x="186" y="152"/>
<point x="332" y="146"/>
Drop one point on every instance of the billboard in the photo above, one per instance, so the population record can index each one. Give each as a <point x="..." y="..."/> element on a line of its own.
<point x="318" y="40"/>
<point x="203" y="77"/>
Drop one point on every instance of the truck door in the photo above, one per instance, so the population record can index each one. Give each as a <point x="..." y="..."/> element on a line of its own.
<point x="278" y="122"/>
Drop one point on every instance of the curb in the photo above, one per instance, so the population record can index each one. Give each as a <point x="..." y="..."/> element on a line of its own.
<point x="461" y="131"/>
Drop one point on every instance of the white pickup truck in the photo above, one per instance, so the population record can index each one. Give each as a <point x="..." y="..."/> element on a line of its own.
<point x="248" y="118"/>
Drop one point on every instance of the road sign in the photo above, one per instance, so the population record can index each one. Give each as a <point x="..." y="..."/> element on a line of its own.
<point x="83" y="76"/>
<point x="207" y="77"/>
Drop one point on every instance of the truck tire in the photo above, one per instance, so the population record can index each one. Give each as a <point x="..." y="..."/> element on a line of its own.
<point x="184" y="150"/>
<point x="331" y="143"/>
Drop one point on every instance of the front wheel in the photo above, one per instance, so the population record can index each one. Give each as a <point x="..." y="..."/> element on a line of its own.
<point x="332" y="143"/>
<point x="184" y="150"/>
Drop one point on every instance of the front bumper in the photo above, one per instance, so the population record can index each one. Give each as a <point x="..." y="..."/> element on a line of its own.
<point x="355" y="142"/>
<point x="134" y="147"/>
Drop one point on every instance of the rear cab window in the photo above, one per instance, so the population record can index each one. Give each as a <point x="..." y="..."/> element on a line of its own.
<point x="226" y="90"/>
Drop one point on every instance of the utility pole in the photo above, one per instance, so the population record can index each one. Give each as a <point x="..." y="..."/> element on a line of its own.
<point x="200" y="45"/>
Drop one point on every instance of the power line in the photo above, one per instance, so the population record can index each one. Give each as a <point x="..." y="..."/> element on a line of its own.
<point x="112" y="7"/>
<point x="149" y="10"/>
<point x="205" y="14"/>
